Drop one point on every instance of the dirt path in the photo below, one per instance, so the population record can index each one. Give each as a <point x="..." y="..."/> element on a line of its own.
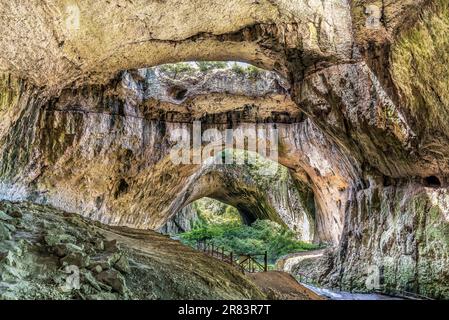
<point x="280" y="285"/>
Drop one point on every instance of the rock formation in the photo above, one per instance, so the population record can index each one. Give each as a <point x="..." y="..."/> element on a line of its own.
<point x="182" y="221"/>
<point x="276" y="196"/>
<point x="49" y="254"/>
<point x="362" y="115"/>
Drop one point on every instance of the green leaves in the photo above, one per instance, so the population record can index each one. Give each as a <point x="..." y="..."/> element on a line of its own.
<point x="261" y="236"/>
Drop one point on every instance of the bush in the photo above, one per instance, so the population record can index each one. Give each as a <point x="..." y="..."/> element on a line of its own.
<point x="253" y="72"/>
<point x="174" y="69"/>
<point x="238" y="69"/>
<point x="205" y="66"/>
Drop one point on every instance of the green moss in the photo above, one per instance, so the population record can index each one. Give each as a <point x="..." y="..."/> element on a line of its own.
<point x="419" y="66"/>
<point x="205" y="66"/>
<point x="9" y="91"/>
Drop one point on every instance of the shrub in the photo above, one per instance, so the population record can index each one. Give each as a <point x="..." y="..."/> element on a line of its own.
<point x="205" y="66"/>
<point x="253" y="72"/>
<point x="238" y="69"/>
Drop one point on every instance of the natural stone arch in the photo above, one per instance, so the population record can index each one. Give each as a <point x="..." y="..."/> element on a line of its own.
<point x="99" y="154"/>
<point x="355" y="84"/>
<point x="94" y="40"/>
<point x="277" y="197"/>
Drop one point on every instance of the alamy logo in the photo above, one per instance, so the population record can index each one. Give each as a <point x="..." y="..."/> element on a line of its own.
<point x="195" y="146"/>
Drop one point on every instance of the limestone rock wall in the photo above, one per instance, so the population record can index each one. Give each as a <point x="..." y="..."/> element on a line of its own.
<point x="181" y="222"/>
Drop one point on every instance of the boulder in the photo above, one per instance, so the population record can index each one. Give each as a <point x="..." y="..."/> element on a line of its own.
<point x="114" y="279"/>
<point x="122" y="264"/>
<point x="5" y="233"/>
<point x="55" y="237"/>
<point x="64" y="249"/>
<point x="4" y="216"/>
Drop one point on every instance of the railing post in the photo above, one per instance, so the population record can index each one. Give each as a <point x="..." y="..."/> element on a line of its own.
<point x="265" y="261"/>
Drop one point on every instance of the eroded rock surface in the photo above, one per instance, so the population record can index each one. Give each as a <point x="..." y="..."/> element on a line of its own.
<point x="101" y="151"/>
<point x="255" y="194"/>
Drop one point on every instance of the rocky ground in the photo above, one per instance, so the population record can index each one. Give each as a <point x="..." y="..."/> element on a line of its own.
<point x="50" y="254"/>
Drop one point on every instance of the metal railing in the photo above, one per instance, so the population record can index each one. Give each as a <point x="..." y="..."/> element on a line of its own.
<point x="398" y="293"/>
<point x="244" y="262"/>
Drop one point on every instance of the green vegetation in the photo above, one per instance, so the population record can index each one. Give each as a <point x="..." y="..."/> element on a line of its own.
<point x="228" y="232"/>
<point x="213" y="212"/>
<point x="251" y="71"/>
<point x="205" y="66"/>
<point x="238" y="69"/>
<point x="174" y="69"/>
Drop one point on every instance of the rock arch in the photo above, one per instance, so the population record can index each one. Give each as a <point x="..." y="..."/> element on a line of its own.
<point x="277" y="197"/>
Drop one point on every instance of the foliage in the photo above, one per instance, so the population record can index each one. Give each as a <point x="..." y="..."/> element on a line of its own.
<point x="238" y="69"/>
<point x="215" y="212"/>
<point x="174" y="69"/>
<point x="253" y="72"/>
<point x="261" y="236"/>
<point x="205" y="66"/>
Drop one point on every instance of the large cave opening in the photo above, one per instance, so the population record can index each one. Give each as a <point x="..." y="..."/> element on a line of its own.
<point x="92" y="94"/>
<point x="226" y="228"/>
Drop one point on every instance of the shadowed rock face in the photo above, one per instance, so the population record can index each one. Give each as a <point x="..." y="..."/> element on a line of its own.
<point x="95" y="40"/>
<point x="369" y="80"/>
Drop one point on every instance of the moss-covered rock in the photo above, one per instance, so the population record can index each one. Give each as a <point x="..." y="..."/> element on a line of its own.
<point x="51" y="254"/>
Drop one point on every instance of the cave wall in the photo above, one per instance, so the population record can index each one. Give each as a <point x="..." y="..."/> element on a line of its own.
<point x="182" y="221"/>
<point x="277" y="197"/>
